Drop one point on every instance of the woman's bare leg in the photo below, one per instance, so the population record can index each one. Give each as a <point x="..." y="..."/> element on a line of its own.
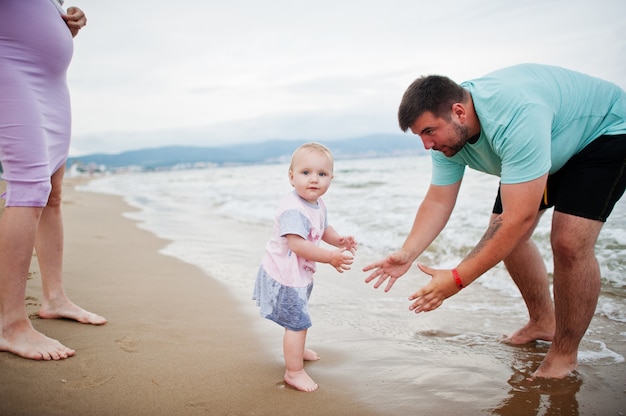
<point x="18" y="226"/>
<point x="49" y="247"/>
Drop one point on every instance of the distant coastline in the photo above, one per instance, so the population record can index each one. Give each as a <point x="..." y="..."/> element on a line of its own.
<point x="272" y="151"/>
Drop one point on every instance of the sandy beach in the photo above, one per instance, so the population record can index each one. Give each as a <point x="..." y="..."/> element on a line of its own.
<point x="176" y="343"/>
<point x="179" y="342"/>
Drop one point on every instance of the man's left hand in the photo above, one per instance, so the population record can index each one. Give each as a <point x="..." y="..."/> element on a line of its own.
<point x="431" y="296"/>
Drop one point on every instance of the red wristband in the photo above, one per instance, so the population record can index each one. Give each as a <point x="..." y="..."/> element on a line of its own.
<point x="457" y="278"/>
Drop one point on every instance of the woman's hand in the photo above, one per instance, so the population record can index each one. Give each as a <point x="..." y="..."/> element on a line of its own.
<point x="75" y="20"/>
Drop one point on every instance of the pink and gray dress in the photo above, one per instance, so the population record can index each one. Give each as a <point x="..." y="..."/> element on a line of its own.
<point x="285" y="280"/>
<point x="35" y="51"/>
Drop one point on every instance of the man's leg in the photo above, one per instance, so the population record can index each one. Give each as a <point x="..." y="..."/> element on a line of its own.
<point x="527" y="268"/>
<point x="576" y="290"/>
<point x="49" y="247"/>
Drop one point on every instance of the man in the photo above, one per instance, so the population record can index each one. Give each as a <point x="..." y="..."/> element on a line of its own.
<point x="556" y="138"/>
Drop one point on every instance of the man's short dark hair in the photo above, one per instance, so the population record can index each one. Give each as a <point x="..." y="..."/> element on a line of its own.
<point x="433" y="93"/>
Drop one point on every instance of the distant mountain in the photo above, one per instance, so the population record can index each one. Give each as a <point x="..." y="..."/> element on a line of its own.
<point x="247" y="153"/>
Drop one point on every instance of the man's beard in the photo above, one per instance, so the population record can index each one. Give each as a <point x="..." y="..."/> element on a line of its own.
<point x="463" y="135"/>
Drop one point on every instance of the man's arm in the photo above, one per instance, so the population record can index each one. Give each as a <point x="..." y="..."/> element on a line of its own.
<point x="520" y="204"/>
<point x="431" y="217"/>
<point x="520" y="209"/>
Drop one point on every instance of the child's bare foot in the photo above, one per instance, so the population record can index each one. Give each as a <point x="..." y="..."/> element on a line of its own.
<point x="529" y="333"/>
<point x="310" y="355"/>
<point x="23" y="340"/>
<point x="300" y="380"/>
<point x="68" y="310"/>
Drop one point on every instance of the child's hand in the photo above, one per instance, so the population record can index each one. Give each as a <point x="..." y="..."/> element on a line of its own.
<point x="349" y="243"/>
<point x="341" y="259"/>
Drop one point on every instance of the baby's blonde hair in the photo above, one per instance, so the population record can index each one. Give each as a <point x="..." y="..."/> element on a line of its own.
<point x="318" y="147"/>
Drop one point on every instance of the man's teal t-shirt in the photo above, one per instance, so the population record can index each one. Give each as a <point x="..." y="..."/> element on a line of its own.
<point x="533" y="119"/>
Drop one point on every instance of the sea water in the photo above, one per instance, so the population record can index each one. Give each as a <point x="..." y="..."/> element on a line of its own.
<point x="374" y="200"/>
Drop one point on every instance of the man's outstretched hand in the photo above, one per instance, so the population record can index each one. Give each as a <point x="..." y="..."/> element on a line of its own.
<point x="431" y="296"/>
<point x="390" y="268"/>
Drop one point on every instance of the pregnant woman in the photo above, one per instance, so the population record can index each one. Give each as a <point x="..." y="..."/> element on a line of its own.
<point x="35" y="50"/>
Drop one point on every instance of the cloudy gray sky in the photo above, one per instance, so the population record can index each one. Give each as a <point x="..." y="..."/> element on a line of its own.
<point x="149" y="73"/>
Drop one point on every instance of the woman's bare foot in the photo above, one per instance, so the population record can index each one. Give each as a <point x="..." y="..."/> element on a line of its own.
<point x="529" y="333"/>
<point x="310" y="355"/>
<point x="300" y="380"/>
<point x="69" y="310"/>
<point x="23" y="340"/>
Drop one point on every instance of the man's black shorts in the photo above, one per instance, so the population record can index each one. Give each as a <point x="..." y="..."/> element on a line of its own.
<point x="590" y="183"/>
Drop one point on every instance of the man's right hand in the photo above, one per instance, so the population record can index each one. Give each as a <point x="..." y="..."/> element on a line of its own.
<point x="391" y="267"/>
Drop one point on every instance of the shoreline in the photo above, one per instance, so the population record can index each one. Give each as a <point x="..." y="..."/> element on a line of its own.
<point x="176" y="341"/>
<point x="180" y="341"/>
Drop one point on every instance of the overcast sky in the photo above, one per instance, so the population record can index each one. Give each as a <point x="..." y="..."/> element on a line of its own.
<point x="148" y="73"/>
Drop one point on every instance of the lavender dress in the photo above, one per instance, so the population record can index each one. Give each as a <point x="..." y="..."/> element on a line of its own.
<point x="35" y="51"/>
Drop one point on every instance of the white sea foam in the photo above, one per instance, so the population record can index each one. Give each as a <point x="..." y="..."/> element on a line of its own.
<point x="599" y="355"/>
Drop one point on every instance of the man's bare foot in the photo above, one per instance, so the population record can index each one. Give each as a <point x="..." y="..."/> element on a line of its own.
<point x="300" y="380"/>
<point x="68" y="310"/>
<point x="556" y="366"/>
<point x="23" y="340"/>
<point x="529" y="333"/>
<point x="310" y="355"/>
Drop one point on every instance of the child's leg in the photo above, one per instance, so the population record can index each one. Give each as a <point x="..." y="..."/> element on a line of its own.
<point x="293" y="348"/>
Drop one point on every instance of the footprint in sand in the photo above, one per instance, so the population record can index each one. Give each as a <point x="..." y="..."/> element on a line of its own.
<point x="86" y="377"/>
<point x="32" y="301"/>
<point x="127" y="344"/>
<point x="86" y="382"/>
<point x="199" y="405"/>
